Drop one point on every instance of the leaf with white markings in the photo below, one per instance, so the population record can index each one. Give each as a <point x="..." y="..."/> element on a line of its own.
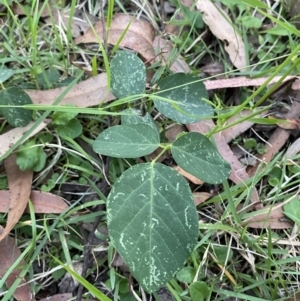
<point x="152" y="222"/>
<point x="15" y="116"/>
<point x="197" y="155"/>
<point x="128" y="74"/>
<point x="5" y="74"/>
<point x="132" y="116"/>
<point x="181" y="98"/>
<point x="127" y="141"/>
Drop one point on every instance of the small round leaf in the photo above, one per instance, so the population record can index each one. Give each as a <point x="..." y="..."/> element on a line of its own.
<point x="292" y="210"/>
<point x="128" y="75"/>
<point x="199" y="290"/>
<point x="71" y="129"/>
<point x="184" y="98"/>
<point x="196" y="154"/>
<point x="14" y="96"/>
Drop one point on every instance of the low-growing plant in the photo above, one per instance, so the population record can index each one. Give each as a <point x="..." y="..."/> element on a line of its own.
<point x="151" y="215"/>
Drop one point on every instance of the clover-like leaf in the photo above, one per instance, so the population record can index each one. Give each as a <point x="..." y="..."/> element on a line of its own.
<point x="127" y="141"/>
<point x="181" y="98"/>
<point x="128" y="74"/>
<point x="292" y="210"/>
<point x="5" y="74"/>
<point x="152" y="222"/>
<point x="16" y="116"/>
<point x="72" y="129"/>
<point x="133" y="116"/>
<point x="197" y="155"/>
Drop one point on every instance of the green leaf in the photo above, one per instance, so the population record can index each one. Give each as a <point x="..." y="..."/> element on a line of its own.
<point x="256" y="3"/>
<point x="183" y="101"/>
<point x="250" y="22"/>
<point x="128" y="75"/>
<point x="152" y="221"/>
<point x="193" y="18"/>
<point x="14" y="96"/>
<point x="56" y="275"/>
<point x="41" y="161"/>
<point x="199" y="290"/>
<point x="279" y="30"/>
<point x="5" y="74"/>
<point x="3" y="182"/>
<point x="223" y="254"/>
<point x="197" y="155"/>
<point x="31" y="157"/>
<point x="45" y="137"/>
<point x="292" y="210"/>
<point x="62" y="118"/>
<point x="133" y="116"/>
<point x="72" y="129"/>
<point x="48" y="78"/>
<point x="186" y="275"/>
<point x="231" y="3"/>
<point x="127" y="141"/>
<point x="50" y="183"/>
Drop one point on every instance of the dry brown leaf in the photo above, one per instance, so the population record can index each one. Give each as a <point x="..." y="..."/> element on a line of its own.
<point x="214" y="69"/>
<point x="293" y="9"/>
<point x="274" y="218"/>
<point x="296" y="297"/>
<point x="221" y="26"/>
<point x="80" y="22"/>
<point x="59" y="297"/>
<point x="278" y="138"/>
<point x="8" y="139"/>
<point x="201" y="197"/>
<point x="21" y="10"/>
<point x="243" y="81"/>
<point x="289" y="124"/>
<point x="187" y="3"/>
<point x="157" y="153"/>
<point x="238" y="172"/>
<point x="138" y="37"/>
<point x="236" y="130"/>
<point x="187" y="175"/>
<point x="172" y="28"/>
<point x="88" y="93"/>
<point x="43" y="202"/>
<point x="172" y="133"/>
<point x="20" y="186"/>
<point x="164" y="49"/>
<point x="9" y="253"/>
<point x="293" y="149"/>
<point x="296" y="83"/>
<point x="275" y="143"/>
<point x="62" y="297"/>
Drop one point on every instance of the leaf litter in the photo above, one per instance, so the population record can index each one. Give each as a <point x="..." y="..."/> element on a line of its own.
<point x="43" y="202"/>
<point x="9" y="253"/>
<point x="223" y="29"/>
<point x="139" y="35"/>
<point x="236" y="53"/>
<point x="20" y="187"/>
<point x="11" y="137"/>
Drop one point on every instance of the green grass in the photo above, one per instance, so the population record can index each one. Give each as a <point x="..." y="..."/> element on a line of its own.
<point x="232" y="259"/>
